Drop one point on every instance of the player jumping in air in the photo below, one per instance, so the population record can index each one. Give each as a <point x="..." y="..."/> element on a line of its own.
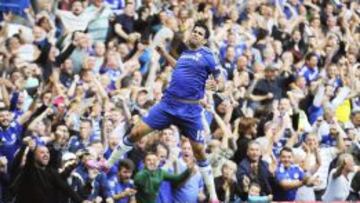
<point x="180" y="104"/>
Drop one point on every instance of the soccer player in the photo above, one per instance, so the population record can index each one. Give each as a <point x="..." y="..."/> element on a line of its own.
<point x="195" y="70"/>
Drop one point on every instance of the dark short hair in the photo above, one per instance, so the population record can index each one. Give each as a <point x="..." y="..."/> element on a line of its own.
<point x="310" y="55"/>
<point x="127" y="164"/>
<point x="86" y="120"/>
<point x="286" y="149"/>
<point x="153" y="147"/>
<point x="253" y="142"/>
<point x="202" y="25"/>
<point x="126" y="81"/>
<point x="7" y="41"/>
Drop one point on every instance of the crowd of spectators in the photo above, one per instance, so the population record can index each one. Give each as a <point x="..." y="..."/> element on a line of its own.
<point x="75" y="75"/>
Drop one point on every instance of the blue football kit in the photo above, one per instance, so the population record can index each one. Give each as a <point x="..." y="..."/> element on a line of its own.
<point x="294" y="172"/>
<point x="10" y="140"/>
<point x="179" y="105"/>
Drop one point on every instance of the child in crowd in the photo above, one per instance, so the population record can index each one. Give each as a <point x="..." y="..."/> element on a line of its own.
<point x="254" y="194"/>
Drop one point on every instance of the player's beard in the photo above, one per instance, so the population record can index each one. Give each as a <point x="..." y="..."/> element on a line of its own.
<point x="192" y="45"/>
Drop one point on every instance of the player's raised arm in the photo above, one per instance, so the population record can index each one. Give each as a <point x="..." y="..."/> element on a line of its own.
<point x="162" y="51"/>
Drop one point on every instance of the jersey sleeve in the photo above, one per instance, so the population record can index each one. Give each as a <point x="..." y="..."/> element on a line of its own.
<point x="213" y="67"/>
<point x="17" y="128"/>
<point x="301" y="174"/>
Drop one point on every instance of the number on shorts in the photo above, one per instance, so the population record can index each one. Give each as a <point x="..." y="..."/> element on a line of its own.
<point x="200" y="134"/>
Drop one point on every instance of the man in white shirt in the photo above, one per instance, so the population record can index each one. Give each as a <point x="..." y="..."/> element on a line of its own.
<point x="76" y="19"/>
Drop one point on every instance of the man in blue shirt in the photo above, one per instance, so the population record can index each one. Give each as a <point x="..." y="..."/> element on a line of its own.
<point x="289" y="177"/>
<point x="84" y="138"/>
<point x="11" y="132"/>
<point x="14" y="6"/>
<point x="310" y="71"/>
<point x="232" y="40"/>
<point x="180" y="104"/>
<point x="123" y="187"/>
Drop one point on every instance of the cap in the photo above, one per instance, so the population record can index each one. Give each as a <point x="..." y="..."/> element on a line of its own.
<point x="82" y="152"/>
<point x="59" y="101"/>
<point x="68" y="156"/>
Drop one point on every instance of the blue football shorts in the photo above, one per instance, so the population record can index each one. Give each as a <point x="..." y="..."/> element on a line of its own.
<point x="188" y="117"/>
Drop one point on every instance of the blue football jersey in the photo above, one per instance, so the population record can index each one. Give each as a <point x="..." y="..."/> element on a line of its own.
<point x="10" y="140"/>
<point x="191" y="72"/>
